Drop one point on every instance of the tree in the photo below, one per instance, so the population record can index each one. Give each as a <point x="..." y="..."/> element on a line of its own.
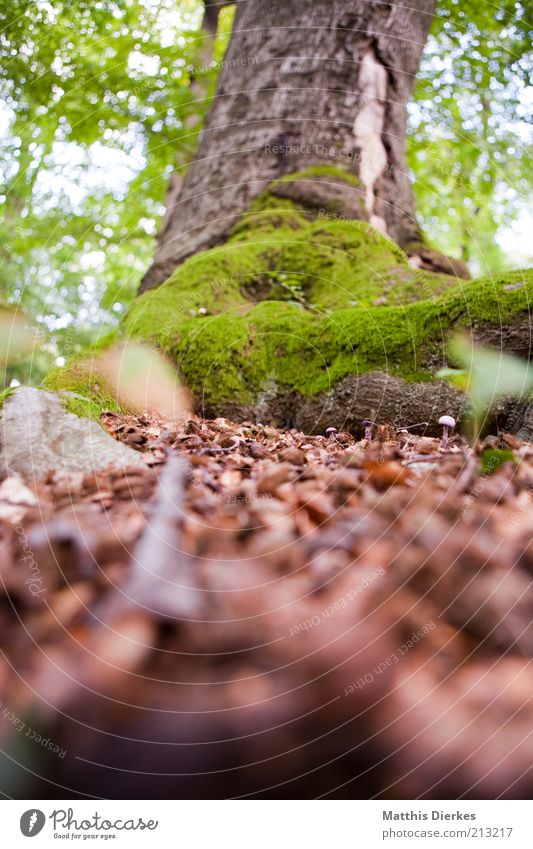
<point x="99" y="103"/>
<point x="313" y="83"/>
<point x="297" y="282"/>
<point x="200" y="83"/>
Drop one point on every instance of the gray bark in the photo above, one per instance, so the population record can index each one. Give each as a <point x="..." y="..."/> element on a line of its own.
<point x="311" y="82"/>
<point x="198" y="90"/>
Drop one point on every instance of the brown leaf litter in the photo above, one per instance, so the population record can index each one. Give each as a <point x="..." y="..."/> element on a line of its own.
<point x="270" y="614"/>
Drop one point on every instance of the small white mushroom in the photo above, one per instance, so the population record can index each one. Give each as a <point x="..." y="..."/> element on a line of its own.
<point x="448" y="423"/>
<point x="330" y="433"/>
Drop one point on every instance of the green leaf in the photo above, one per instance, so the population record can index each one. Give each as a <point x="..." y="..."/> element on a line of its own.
<point x="493" y="458"/>
<point x="16" y="339"/>
<point x="491" y="374"/>
<point x="458" y="377"/>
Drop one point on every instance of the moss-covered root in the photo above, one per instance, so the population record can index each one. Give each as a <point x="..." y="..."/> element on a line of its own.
<point x="286" y="363"/>
<point x="302" y="305"/>
<point x="234" y="353"/>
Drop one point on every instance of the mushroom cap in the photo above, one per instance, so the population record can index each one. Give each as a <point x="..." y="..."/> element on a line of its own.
<point x="447" y="420"/>
<point x="331" y="430"/>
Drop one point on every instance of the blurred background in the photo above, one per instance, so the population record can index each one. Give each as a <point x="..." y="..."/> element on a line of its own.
<point x="97" y="109"/>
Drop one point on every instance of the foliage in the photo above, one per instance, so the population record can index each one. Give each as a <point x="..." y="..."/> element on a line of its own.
<point x="24" y="351"/>
<point x="16" y="338"/>
<point x="490" y="374"/>
<point x="95" y="98"/>
<point x="143" y="379"/>
<point x="469" y="136"/>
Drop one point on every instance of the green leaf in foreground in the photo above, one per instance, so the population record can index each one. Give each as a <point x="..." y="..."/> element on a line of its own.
<point x="491" y="374"/>
<point x="143" y="379"/>
<point x="493" y="458"/>
<point x="458" y="377"/>
<point x="16" y="339"/>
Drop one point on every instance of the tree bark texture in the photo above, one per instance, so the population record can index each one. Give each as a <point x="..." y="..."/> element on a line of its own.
<point x="312" y="82"/>
<point x="198" y="89"/>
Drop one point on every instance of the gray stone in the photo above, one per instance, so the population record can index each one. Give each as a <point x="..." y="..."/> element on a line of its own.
<point x="37" y="436"/>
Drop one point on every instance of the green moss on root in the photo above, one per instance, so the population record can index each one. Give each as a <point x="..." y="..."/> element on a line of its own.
<point x="302" y="300"/>
<point x="333" y="172"/>
<point x="276" y="253"/>
<point x="234" y="354"/>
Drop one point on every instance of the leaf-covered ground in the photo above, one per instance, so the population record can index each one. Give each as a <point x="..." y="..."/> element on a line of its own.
<point x="265" y="613"/>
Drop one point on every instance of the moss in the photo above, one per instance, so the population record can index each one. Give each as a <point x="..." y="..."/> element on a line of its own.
<point x="84" y="408"/>
<point x="5" y="393"/>
<point x="323" y="189"/>
<point x="235" y="356"/>
<point x="91" y="392"/>
<point x="326" y="263"/>
<point x="302" y="301"/>
<point x="267" y="213"/>
<point x="235" y="353"/>
<point x="492" y="299"/>
<point x="270" y="212"/>
<point x="333" y="172"/>
<point x="106" y="340"/>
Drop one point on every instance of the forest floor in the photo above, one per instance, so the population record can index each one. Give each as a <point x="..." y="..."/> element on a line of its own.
<point x="265" y="613"/>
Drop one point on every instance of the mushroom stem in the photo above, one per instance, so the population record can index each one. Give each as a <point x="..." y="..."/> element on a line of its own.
<point x="448" y="423"/>
<point x="368" y="425"/>
<point x="331" y="432"/>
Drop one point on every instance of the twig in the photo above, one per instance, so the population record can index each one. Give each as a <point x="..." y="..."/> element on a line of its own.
<point x="162" y="579"/>
<point x="463" y="480"/>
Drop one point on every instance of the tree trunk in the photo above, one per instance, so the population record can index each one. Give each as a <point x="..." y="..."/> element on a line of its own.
<point x="307" y="83"/>
<point x="198" y="90"/>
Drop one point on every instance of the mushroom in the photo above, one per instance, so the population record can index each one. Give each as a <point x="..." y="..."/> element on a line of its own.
<point x="330" y="433"/>
<point x="448" y="423"/>
<point x="368" y="425"/>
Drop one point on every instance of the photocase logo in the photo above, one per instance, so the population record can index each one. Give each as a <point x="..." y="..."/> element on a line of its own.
<point x="32" y="822"/>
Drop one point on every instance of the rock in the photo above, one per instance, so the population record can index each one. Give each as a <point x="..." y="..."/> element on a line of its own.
<point x="38" y="436"/>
